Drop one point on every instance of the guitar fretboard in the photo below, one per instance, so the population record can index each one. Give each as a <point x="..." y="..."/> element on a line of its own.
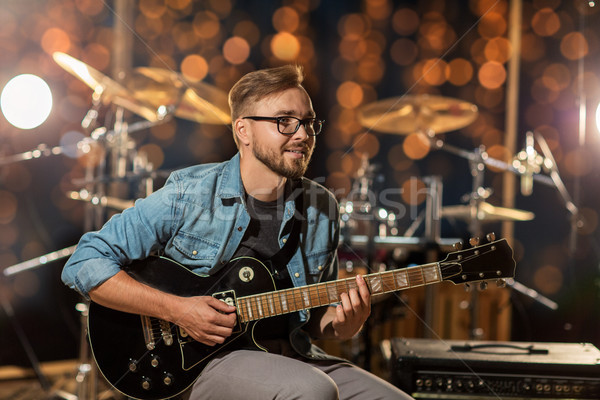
<point x="269" y="304"/>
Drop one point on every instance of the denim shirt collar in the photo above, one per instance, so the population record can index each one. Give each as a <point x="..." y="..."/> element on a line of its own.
<point x="231" y="185"/>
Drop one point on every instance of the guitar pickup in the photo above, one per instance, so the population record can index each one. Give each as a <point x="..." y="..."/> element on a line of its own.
<point x="228" y="297"/>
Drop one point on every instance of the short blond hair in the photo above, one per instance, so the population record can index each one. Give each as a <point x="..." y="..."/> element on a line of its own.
<point x="258" y="84"/>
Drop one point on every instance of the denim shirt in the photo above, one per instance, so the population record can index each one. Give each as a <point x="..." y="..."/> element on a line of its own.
<point x="198" y="219"/>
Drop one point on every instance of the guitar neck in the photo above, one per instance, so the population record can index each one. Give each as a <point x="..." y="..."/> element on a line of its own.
<point x="269" y="304"/>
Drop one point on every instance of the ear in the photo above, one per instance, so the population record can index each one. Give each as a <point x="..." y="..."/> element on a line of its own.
<point x="242" y="131"/>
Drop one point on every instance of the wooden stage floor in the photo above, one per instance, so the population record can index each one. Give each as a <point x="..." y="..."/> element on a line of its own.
<point x="18" y="383"/>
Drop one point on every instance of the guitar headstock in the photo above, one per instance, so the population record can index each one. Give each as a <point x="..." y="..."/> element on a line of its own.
<point x="482" y="262"/>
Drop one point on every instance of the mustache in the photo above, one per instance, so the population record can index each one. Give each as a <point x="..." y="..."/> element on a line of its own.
<point x="302" y="148"/>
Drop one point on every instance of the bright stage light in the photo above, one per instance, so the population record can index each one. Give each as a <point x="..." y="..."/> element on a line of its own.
<point x="26" y="101"/>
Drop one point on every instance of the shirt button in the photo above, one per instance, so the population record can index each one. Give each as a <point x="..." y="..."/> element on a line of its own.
<point x="194" y="252"/>
<point x="297" y="275"/>
<point x="284" y="240"/>
<point x="240" y="228"/>
<point x="320" y="268"/>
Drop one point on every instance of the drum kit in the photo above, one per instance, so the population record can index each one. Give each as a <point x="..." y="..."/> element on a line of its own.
<point x="424" y="115"/>
<point x="117" y="171"/>
<point x="157" y="95"/>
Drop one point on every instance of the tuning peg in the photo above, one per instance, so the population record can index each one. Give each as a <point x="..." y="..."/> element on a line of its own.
<point x="501" y="283"/>
<point x="490" y="237"/>
<point x="474" y="241"/>
<point x="457" y="246"/>
<point x="482" y="285"/>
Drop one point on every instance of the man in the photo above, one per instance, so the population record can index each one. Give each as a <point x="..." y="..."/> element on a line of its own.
<point x="248" y="206"/>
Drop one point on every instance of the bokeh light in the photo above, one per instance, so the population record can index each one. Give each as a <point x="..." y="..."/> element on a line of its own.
<point x="354" y="55"/>
<point x="285" y="46"/>
<point x="26" y="101"/>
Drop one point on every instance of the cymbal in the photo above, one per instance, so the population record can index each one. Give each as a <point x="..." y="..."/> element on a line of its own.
<point x="486" y="212"/>
<point x="200" y="101"/>
<point x="104" y="201"/>
<point x="109" y="90"/>
<point x="413" y="113"/>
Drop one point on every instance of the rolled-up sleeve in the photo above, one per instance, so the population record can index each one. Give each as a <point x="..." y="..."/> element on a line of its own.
<point x="131" y="235"/>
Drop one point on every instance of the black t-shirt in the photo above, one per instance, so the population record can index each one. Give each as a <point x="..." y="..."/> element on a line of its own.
<point x="261" y="241"/>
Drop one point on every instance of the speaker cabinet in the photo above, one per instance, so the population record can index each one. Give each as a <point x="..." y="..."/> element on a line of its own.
<point x="468" y="370"/>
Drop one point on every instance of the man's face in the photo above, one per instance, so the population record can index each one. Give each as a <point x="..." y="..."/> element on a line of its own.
<point x="287" y="155"/>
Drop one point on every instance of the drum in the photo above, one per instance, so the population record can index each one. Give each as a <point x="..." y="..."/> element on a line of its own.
<point x="361" y="219"/>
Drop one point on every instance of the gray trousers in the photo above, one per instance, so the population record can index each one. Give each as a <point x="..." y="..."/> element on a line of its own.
<point x="256" y="375"/>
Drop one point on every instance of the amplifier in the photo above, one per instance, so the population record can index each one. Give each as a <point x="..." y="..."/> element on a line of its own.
<point x="466" y="370"/>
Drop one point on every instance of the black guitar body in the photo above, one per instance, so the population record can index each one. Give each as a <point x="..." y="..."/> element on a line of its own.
<point x="147" y="358"/>
<point x="170" y="365"/>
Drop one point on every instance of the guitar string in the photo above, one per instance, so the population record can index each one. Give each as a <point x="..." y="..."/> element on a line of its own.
<point x="270" y="304"/>
<point x="266" y="301"/>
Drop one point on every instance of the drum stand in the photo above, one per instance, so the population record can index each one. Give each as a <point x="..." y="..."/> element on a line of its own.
<point x="110" y="180"/>
<point x="478" y="160"/>
<point x="121" y="165"/>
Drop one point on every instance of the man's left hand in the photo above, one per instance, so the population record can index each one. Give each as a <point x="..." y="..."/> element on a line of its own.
<point x="353" y="311"/>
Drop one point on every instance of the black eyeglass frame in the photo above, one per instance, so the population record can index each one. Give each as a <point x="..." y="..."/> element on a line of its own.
<point x="300" y="122"/>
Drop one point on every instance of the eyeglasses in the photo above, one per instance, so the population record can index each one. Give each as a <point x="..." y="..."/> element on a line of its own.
<point x="290" y="125"/>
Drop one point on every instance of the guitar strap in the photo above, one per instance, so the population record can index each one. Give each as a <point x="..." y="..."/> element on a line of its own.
<point x="278" y="261"/>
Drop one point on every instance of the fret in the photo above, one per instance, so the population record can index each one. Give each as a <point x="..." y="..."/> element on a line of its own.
<point x="388" y="282"/>
<point x="271" y="304"/>
<point x="242" y="311"/>
<point x="332" y="295"/>
<point x="249" y="308"/>
<point x="259" y="306"/>
<point x="432" y="273"/>
<point x="315" y="295"/>
<point x="376" y="284"/>
<point x="415" y="276"/>
<point x="305" y="298"/>
<point x="324" y="290"/>
<point x="401" y="279"/>
<point x="342" y="287"/>
<point x="296" y="298"/>
<point x="283" y="301"/>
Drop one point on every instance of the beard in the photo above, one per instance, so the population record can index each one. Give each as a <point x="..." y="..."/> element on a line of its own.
<point x="284" y="166"/>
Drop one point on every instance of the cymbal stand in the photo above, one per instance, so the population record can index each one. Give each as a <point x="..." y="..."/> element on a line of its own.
<point x="362" y="203"/>
<point x="25" y="344"/>
<point x="433" y="208"/>
<point x="550" y="165"/>
<point x="477" y="195"/>
<point x="478" y="159"/>
<point x="110" y="176"/>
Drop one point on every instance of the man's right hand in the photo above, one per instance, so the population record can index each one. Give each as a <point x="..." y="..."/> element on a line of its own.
<point x="206" y="319"/>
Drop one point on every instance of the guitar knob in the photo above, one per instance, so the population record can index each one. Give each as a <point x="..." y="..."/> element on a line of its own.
<point x="155" y="362"/>
<point x="501" y="283"/>
<point x="490" y="237"/>
<point x="146" y="383"/>
<point x="168" y="379"/>
<point x="467" y="287"/>
<point x="457" y="246"/>
<point x="132" y="365"/>
<point x="474" y="241"/>
<point x="483" y="285"/>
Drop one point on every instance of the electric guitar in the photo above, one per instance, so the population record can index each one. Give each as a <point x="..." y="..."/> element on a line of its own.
<point x="149" y="358"/>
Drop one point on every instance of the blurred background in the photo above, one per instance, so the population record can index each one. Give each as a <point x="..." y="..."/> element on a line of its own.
<point x="412" y="92"/>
